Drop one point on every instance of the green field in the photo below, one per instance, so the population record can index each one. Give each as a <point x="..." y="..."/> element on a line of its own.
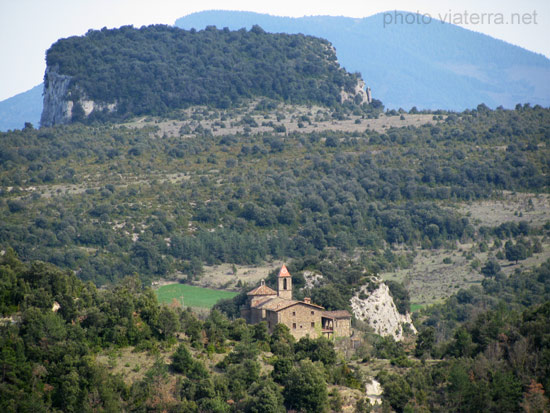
<point x="416" y="307"/>
<point x="192" y="296"/>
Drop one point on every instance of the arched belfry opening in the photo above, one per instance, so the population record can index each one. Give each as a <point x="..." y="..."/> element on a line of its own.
<point x="284" y="284"/>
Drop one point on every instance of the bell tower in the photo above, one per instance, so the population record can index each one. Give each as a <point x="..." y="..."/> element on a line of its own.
<point x="284" y="284"/>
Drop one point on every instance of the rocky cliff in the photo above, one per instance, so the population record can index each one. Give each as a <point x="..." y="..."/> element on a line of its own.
<point x="359" y="95"/>
<point x="61" y="104"/>
<point x="380" y="312"/>
<point x="57" y="108"/>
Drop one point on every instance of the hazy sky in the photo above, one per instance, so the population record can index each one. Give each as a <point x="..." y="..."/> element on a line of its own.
<point x="29" y="27"/>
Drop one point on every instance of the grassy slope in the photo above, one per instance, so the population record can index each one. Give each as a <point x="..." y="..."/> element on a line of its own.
<point x="192" y="296"/>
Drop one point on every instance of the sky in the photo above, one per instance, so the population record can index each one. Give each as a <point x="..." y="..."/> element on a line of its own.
<point x="29" y="27"/>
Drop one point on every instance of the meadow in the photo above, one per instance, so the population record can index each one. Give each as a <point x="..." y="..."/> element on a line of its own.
<point x="193" y="296"/>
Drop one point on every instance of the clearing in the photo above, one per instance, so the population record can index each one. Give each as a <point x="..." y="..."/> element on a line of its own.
<point x="437" y="274"/>
<point x="292" y="117"/>
<point x="191" y="295"/>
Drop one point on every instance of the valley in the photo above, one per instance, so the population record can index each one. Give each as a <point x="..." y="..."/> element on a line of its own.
<point x="140" y="220"/>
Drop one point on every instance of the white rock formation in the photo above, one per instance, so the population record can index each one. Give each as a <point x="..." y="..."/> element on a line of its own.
<point x="56" y="108"/>
<point x="312" y="279"/>
<point x="380" y="312"/>
<point x="374" y="392"/>
<point x="358" y="90"/>
<point x="58" y="105"/>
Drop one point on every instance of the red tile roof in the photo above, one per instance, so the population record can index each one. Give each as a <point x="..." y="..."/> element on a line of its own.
<point x="337" y="314"/>
<point x="262" y="290"/>
<point x="276" y="304"/>
<point x="284" y="272"/>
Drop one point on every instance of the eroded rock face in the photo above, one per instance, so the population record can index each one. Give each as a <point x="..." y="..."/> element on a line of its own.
<point x="374" y="391"/>
<point x="58" y="102"/>
<point x="359" y="91"/>
<point x="57" y="108"/>
<point x="380" y="312"/>
<point x="312" y="280"/>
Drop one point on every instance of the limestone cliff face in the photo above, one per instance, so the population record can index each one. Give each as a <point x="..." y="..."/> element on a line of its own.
<point x="380" y="312"/>
<point x="57" y="108"/>
<point x="360" y="91"/>
<point x="59" y="104"/>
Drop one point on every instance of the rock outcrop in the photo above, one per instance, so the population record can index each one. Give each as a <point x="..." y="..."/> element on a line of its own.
<point x="59" y="103"/>
<point x="359" y="95"/>
<point x="57" y="108"/>
<point x="380" y="312"/>
<point x="374" y="391"/>
<point x="312" y="280"/>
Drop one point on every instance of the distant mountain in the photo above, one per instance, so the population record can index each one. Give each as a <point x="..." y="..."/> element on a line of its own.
<point x="21" y="108"/>
<point x="119" y="73"/>
<point x="436" y="65"/>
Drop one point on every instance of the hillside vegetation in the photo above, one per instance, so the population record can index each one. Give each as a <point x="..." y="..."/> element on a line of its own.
<point x="93" y="212"/>
<point x="69" y="346"/>
<point x="429" y="64"/>
<point x="109" y="200"/>
<point x="159" y="68"/>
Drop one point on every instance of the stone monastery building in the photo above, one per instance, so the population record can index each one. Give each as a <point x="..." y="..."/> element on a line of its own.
<point x="303" y="318"/>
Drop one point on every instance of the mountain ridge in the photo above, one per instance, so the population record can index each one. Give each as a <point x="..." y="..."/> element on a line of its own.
<point x="406" y="92"/>
<point x="120" y="73"/>
<point x="21" y="108"/>
<point x="404" y="66"/>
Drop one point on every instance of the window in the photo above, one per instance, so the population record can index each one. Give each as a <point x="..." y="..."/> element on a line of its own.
<point x="294" y="326"/>
<point x="284" y="284"/>
<point x="294" y="313"/>
<point x="313" y="313"/>
<point x="313" y="324"/>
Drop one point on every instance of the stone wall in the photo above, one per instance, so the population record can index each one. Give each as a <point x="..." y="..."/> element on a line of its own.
<point x="342" y="327"/>
<point x="302" y="320"/>
<point x="272" y="319"/>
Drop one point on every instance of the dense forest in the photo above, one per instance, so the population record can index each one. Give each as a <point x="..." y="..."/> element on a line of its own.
<point x="66" y="344"/>
<point x="157" y="69"/>
<point x="109" y="200"/>
<point x="49" y="355"/>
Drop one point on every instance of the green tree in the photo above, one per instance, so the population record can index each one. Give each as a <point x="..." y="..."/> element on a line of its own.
<point x="305" y="388"/>
<point x="425" y="342"/>
<point x="491" y="268"/>
<point x="282" y="342"/>
<point x="264" y="397"/>
<point x="515" y="252"/>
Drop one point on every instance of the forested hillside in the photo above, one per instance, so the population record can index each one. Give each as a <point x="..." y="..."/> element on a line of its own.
<point x="112" y="200"/>
<point x="156" y="69"/>
<point x="252" y="149"/>
<point x="69" y="346"/>
<point x="65" y="347"/>
<point x="124" y="204"/>
<point x="492" y="350"/>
